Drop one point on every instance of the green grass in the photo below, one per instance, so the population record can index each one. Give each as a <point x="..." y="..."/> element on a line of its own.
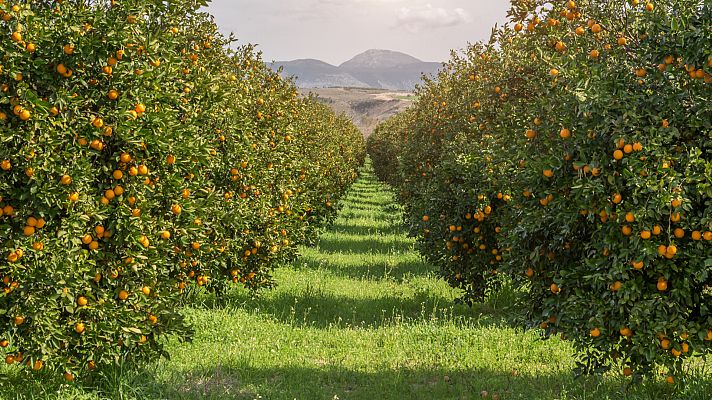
<point x="358" y="317"/>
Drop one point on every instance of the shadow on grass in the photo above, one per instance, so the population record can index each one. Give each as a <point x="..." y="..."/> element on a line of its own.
<point x="240" y="379"/>
<point x="320" y="379"/>
<point x="312" y="307"/>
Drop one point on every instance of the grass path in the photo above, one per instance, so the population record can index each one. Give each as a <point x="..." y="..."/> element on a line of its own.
<point x="362" y="317"/>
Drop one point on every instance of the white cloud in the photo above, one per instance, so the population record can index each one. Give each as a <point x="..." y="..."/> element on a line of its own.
<point x="416" y="19"/>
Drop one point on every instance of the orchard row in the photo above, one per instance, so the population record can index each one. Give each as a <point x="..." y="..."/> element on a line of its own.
<point x="140" y="158"/>
<point x="572" y="154"/>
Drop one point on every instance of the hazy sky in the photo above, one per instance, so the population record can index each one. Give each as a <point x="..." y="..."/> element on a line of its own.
<point x="336" y="30"/>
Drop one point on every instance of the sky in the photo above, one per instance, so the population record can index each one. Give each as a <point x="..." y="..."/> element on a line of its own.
<point x="336" y="30"/>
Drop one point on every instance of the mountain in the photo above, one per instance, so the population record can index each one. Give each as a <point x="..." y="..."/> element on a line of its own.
<point x="380" y="69"/>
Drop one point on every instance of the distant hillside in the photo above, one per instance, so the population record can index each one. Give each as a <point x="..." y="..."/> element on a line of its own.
<point x="381" y="69"/>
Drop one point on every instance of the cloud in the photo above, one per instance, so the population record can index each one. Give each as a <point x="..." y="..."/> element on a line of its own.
<point x="416" y="19"/>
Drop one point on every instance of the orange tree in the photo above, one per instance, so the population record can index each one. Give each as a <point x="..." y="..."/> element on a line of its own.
<point x="600" y="135"/>
<point x="140" y="156"/>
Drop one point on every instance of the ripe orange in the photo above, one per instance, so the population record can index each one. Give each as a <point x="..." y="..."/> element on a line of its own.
<point x="671" y="250"/>
<point x="630" y="217"/>
<point x="565" y="133"/>
<point x="625" y="331"/>
<point x="618" y="155"/>
<point x="595" y="332"/>
<point x="79" y="327"/>
<point x="123" y="295"/>
<point x="82" y="301"/>
<point x="662" y="284"/>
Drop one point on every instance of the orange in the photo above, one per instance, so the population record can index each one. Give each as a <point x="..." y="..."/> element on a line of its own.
<point x="554" y="288"/>
<point x="625" y="331"/>
<point x="618" y="155"/>
<point x="565" y="133"/>
<point x="82" y="301"/>
<point x="626" y="230"/>
<point x="656" y="230"/>
<point x="123" y="295"/>
<point x="79" y="327"/>
<point x="638" y="264"/>
<point x="630" y="217"/>
<point x="696" y="235"/>
<point x="426" y="218"/>
<point x="662" y="284"/>
<point x="146" y="290"/>
<point x="548" y="173"/>
<point x="595" y="332"/>
<point x="645" y="235"/>
<point x="671" y="250"/>
<point x="616" y="286"/>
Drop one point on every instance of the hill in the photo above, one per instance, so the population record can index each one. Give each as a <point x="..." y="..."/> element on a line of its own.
<point x="381" y="69"/>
